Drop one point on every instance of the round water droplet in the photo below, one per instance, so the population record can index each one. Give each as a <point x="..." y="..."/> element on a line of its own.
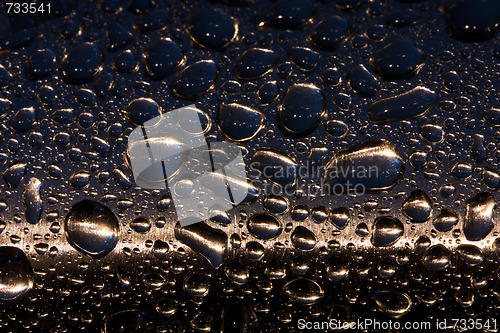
<point x="16" y="274"/>
<point x="141" y="110"/>
<point x="264" y="226"/>
<point x="417" y="207"/>
<point x="398" y="60"/>
<point x="445" y="221"/>
<point x="386" y="231"/>
<point x="211" y="27"/>
<point x="161" y="58"/>
<point x="82" y="63"/>
<point x="91" y="228"/>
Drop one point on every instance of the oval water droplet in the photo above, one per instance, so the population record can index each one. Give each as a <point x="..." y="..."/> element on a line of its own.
<point x="445" y="221"/>
<point x="413" y="103"/>
<point x="386" y="231"/>
<point x="212" y="27"/>
<point x="394" y="304"/>
<point x="375" y="165"/>
<point x="161" y="58"/>
<point x="398" y="60"/>
<point x="329" y="34"/>
<point x="479" y="213"/>
<point x="303" y="239"/>
<point x="194" y="80"/>
<point x="301" y="110"/>
<point x="264" y="226"/>
<point x="303" y="291"/>
<point x="418" y="206"/>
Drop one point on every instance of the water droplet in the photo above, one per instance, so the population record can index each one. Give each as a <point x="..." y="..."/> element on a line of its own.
<point x="264" y="226"/>
<point x="91" y="228"/>
<point x="209" y="242"/>
<point x="362" y="82"/>
<point x="161" y="58"/>
<point x="302" y="57"/>
<point x="470" y="254"/>
<point x="472" y="21"/>
<point x="211" y="27"/>
<point x="375" y="165"/>
<point x="436" y="257"/>
<point x="254" y="63"/>
<point x="16" y="274"/>
<point x="492" y="116"/>
<point x="303" y="239"/>
<point x="194" y="80"/>
<point x="479" y="216"/>
<point x="275" y="166"/>
<point x="286" y="14"/>
<point x="14" y="174"/>
<point x="82" y="63"/>
<point x="418" y="206"/>
<point x="301" y="110"/>
<point x="413" y="103"/>
<point x="445" y="221"/>
<point x="431" y="133"/>
<point x="339" y="217"/>
<point x="398" y="60"/>
<point x="303" y="291"/>
<point x="40" y="64"/>
<point x="32" y="200"/>
<point x="386" y="231"/>
<point x="141" y="110"/>
<point x="329" y="34"/>
<point x="140" y="224"/>
<point x="239" y="122"/>
<point x="23" y="119"/>
<point x="79" y="179"/>
<point x="394" y="304"/>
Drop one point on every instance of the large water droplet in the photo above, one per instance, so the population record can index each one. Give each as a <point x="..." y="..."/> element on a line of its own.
<point x="264" y="226"/>
<point x="239" y="122"/>
<point x="394" y="304"/>
<point x="194" y="80"/>
<point x="303" y="291"/>
<point x="301" y="110"/>
<point x="82" y="63"/>
<point x="417" y="206"/>
<point x="161" y="58"/>
<point x="479" y="216"/>
<point x="91" y="228"/>
<point x="386" y="231"/>
<point x="32" y="201"/>
<point x="413" y="103"/>
<point x="303" y="238"/>
<point x="16" y="274"/>
<point x="398" y="60"/>
<point x="329" y="34"/>
<point x="209" y="242"/>
<point x="375" y="165"/>
<point x="211" y="27"/>
<point x="275" y="166"/>
<point x="254" y="63"/>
